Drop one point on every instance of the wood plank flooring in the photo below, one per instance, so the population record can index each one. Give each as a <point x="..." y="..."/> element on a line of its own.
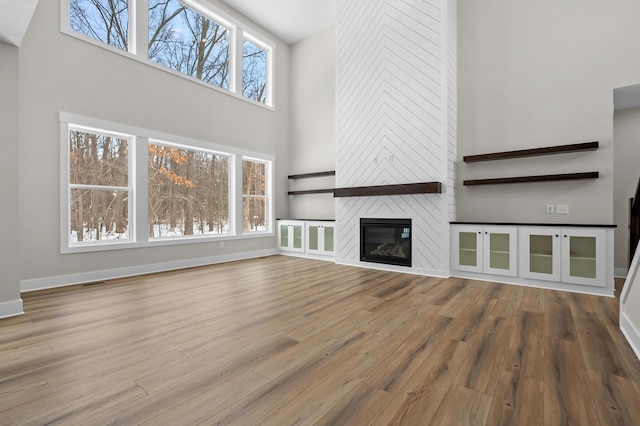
<point x="284" y="340"/>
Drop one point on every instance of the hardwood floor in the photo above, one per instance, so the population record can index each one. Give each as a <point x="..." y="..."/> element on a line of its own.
<point x="283" y="340"/>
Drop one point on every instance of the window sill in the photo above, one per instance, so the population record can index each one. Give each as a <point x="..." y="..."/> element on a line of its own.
<point x="160" y="242"/>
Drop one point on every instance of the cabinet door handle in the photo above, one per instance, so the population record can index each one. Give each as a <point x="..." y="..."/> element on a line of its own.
<point x="557" y="235"/>
<point x="565" y="236"/>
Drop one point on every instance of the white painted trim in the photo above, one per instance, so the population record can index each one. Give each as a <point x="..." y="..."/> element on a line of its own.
<point x="627" y="327"/>
<point x="11" y="309"/>
<point x="631" y="333"/>
<point x="548" y="285"/>
<point x="394" y="268"/>
<point x="308" y="256"/>
<point x="108" y="274"/>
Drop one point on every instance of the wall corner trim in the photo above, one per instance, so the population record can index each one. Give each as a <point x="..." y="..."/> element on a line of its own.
<point x="11" y="309"/>
<point x="631" y="290"/>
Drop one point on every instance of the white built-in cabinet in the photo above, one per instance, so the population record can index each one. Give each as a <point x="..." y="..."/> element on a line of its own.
<point x="308" y="237"/>
<point x="320" y="238"/>
<point x="485" y="249"/>
<point x="576" y="258"/>
<point x="569" y="255"/>
<point x="291" y="235"/>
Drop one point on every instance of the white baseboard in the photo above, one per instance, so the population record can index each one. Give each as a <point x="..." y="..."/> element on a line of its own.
<point x="631" y="333"/>
<point x="109" y="274"/>
<point x="11" y="309"/>
<point x="394" y="268"/>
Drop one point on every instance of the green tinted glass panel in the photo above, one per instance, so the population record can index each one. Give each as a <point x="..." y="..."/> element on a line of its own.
<point x="328" y="238"/>
<point x="541" y="254"/>
<point x="468" y="248"/>
<point x="313" y="237"/>
<point x="499" y="251"/>
<point x="297" y="236"/>
<point x="582" y="257"/>
<point x="284" y="236"/>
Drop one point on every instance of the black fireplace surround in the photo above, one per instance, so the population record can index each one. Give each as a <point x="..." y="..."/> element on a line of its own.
<point x="385" y="241"/>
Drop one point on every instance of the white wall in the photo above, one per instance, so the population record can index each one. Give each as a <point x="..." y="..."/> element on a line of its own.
<point x="535" y="74"/>
<point x="61" y="73"/>
<point x="626" y="141"/>
<point x="313" y="123"/>
<point x="10" y="303"/>
<point x="397" y="120"/>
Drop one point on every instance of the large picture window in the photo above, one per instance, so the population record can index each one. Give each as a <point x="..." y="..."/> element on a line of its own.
<point x="103" y="20"/>
<point x="186" y="41"/>
<point x="254" y="72"/>
<point x="254" y="195"/>
<point x="99" y="189"/>
<point x="188" y="37"/>
<point x="123" y="186"/>
<point x="188" y="192"/>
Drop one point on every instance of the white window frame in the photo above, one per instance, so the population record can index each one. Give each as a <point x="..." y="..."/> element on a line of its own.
<point x="138" y="184"/>
<point x="139" y="34"/>
<point x="65" y="131"/>
<point x="230" y="192"/>
<point x="268" y="191"/>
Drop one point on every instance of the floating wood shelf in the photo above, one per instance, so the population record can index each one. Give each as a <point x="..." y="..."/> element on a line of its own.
<point x="527" y="179"/>
<point x="312" y="191"/>
<point x="401" y="189"/>
<point x="559" y="149"/>
<point x="313" y="175"/>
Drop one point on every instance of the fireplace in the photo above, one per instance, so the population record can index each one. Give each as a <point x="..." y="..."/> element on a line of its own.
<point x="385" y="241"/>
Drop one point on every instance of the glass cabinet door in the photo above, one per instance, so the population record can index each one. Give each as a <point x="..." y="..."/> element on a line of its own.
<point x="284" y="235"/>
<point x="328" y="238"/>
<point x="291" y="235"/>
<point x="466" y="247"/>
<point x="500" y="249"/>
<point x="320" y="237"/>
<point x="584" y="254"/>
<point x="540" y="256"/>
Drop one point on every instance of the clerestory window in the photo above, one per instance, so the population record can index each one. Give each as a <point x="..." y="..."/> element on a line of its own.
<point x="186" y="36"/>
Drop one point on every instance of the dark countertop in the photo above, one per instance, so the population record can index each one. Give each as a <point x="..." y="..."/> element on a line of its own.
<point x="556" y="225"/>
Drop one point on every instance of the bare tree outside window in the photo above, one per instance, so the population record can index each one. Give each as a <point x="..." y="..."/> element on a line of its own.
<point x="103" y="20"/>
<point x="98" y="185"/>
<point x="188" y="192"/>
<point x="188" y="42"/>
<point x="254" y="72"/>
<point x="254" y="196"/>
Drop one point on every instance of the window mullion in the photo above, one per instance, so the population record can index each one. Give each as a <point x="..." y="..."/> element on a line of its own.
<point x="236" y="61"/>
<point x="140" y="188"/>
<point x="139" y="28"/>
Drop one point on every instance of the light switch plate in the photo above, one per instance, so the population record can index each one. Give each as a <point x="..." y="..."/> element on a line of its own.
<point x="562" y="209"/>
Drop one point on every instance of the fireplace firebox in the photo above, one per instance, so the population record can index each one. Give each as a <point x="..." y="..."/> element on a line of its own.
<point x="385" y="241"/>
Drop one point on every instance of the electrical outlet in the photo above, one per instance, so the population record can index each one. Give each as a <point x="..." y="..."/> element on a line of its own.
<point x="562" y="209"/>
<point x="549" y="208"/>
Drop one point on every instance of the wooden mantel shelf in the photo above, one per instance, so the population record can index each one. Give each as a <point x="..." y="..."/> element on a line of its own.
<point x="549" y="150"/>
<point x="313" y="175"/>
<point x="401" y="189"/>
<point x="527" y="179"/>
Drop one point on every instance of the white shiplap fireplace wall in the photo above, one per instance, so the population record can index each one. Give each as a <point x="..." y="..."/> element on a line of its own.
<point x="396" y="121"/>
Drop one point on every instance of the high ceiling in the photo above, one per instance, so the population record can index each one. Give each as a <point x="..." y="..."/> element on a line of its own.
<point x="14" y="19"/>
<point x="291" y="20"/>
